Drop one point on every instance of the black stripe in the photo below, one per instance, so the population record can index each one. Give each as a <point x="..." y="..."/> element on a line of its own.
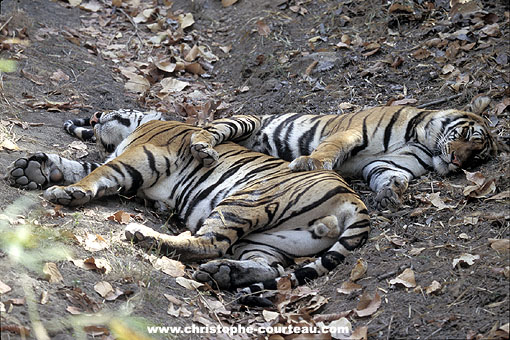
<point x="361" y="147"/>
<point x="389" y="127"/>
<point x="305" y="274"/>
<point x="331" y="259"/>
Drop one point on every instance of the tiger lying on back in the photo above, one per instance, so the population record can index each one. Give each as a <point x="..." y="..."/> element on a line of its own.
<point x="386" y="146"/>
<point x="247" y="204"/>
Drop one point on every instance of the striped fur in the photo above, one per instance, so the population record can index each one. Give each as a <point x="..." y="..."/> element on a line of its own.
<point x="386" y="146"/>
<point x="247" y="206"/>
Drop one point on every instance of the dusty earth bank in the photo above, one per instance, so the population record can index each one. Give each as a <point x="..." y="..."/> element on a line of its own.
<point x="262" y="57"/>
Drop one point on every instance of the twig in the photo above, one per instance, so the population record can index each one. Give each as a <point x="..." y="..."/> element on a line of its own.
<point x="439" y="101"/>
<point x="389" y="328"/>
<point x="132" y="23"/>
<point x="5" y="24"/>
<point x="434" y="332"/>
<point x="393" y="272"/>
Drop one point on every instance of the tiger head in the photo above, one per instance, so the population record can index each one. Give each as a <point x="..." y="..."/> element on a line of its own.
<point x="465" y="141"/>
<point x="111" y="127"/>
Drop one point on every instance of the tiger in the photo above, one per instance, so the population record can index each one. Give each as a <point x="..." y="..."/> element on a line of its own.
<point x="385" y="146"/>
<point x="248" y="215"/>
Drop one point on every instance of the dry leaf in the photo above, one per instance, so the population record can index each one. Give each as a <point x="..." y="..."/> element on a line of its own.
<point x="170" y="267"/>
<point x="262" y="28"/>
<point x="186" y="20"/>
<point x="226" y="3"/>
<point x="188" y="284"/>
<point x="501" y="196"/>
<point x="465" y="260"/>
<point x="359" y="333"/>
<point x="215" y="306"/>
<point x="91" y="6"/>
<point x="368" y="305"/>
<point x="74" y="310"/>
<point x="340" y="324"/>
<point x="59" y="75"/>
<point x="500" y="245"/>
<point x="416" y="251"/>
<point x="45" y="297"/>
<point x="165" y="65"/>
<point x="359" y="270"/>
<point x="348" y="287"/>
<point x="137" y="84"/>
<point x="52" y="274"/>
<point x="100" y="264"/>
<point x="9" y="145"/>
<point x="4" y="288"/>
<point x="106" y="290"/>
<point x="121" y="217"/>
<point x="172" y="85"/>
<point x="192" y="54"/>
<point x="95" y="242"/>
<point x="433" y="288"/>
<point x="17" y="329"/>
<point x="74" y="3"/>
<point x="406" y="279"/>
<point x="406" y="101"/>
<point x="270" y="316"/>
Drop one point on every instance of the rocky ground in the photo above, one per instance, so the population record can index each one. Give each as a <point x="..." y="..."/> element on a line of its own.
<point x="436" y="269"/>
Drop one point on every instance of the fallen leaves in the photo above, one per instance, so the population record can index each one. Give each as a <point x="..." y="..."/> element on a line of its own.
<point x="52" y="274"/>
<point x="368" y="305"/>
<point x="465" y="260"/>
<point x="482" y="186"/>
<point x="4" y="288"/>
<point x="406" y="278"/>
<point x="106" y="291"/>
<point x="262" y="28"/>
<point x="500" y="245"/>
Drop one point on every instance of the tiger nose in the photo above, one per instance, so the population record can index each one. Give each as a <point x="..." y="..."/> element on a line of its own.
<point x="95" y="118"/>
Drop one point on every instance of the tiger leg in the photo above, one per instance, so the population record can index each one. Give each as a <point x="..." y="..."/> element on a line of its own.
<point x="343" y="234"/>
<point x="119" y="175"/>
<point x="42" y="170"/>
<point x="262" y="256"/>
<point x="331" y="152"/>
<point x="212" y="240"/>
<point x="235" y="128"/>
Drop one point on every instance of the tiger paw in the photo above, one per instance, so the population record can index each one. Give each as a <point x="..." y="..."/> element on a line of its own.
<point x="204" y="153"/>
<point x="143" y="235"/>
<point x="229" y="274"/>
<point x="34" y="172"/>
<point x="307" y="163"/>
<point x="389" y="197"/>
<point x="68" y="195"/>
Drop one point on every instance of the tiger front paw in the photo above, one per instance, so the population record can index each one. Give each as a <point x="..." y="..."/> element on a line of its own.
<point x="34" y="172"/>
<point x="68" y="195"/>
<point x="389" y="196"/>
<point x="204" y="153"/>
<point x="307" y="163"/>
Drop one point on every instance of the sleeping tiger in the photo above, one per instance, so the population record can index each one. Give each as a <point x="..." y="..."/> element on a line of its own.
<point x="248" y="205"/>
<point x="386" y="146"/>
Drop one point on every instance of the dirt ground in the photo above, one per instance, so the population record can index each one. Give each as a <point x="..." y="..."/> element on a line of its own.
<point x="253" y="57"/>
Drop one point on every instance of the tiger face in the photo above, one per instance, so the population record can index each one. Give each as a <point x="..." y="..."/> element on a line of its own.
<point x="112" y="127"/>
<point x="464" y="143"/>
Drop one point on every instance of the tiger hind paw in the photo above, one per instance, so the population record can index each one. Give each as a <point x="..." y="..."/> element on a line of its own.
<point x="229" y="274"/>
<point x="34" y="172"/>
